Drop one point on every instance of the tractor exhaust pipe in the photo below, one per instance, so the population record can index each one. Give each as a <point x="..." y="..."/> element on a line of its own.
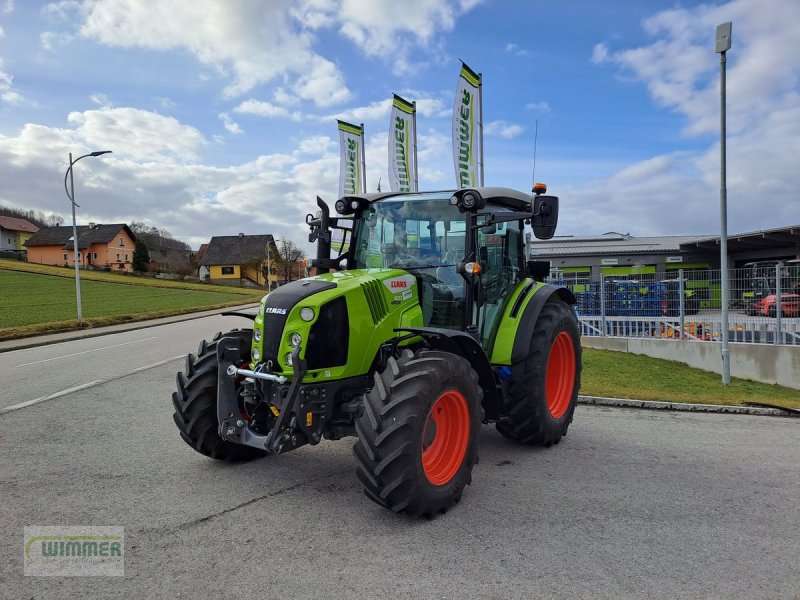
<point x="321" y="233"/>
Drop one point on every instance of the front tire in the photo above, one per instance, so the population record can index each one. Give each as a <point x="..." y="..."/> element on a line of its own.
<point x="544" y="387"/>
<point x="418" y="434"/>
<point x="195" y="403"/>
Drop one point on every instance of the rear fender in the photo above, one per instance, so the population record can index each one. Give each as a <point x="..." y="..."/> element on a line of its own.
<point x="530" y="314"/>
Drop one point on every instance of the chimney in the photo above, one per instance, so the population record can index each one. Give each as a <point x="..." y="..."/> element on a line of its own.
<point x="92" y="225"/>
<point x="241" y="236"/>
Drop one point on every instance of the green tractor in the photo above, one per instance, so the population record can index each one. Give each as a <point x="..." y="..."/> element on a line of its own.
<point x="429" y="322"/>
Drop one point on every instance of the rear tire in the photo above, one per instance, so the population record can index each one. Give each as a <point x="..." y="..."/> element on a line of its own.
<point x="418" y="434"/>
<point x="544" y="387"/>
<point x="195" y="403"/>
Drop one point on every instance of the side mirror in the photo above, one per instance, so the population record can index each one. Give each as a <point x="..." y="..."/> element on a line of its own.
<point x="545" y="216"/>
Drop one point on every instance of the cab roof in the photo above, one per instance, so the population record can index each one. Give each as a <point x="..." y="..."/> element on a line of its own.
<point x="505" y="197"/>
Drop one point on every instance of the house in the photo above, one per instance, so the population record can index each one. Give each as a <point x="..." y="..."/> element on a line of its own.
<point x="239" y="260"/>
<point x="15" y="232"/>
<point x="99" y="246"/>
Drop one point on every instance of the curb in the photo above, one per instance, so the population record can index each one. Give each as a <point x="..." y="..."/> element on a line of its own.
<point x="681" y="406"/>
<point x="68" y="336"/>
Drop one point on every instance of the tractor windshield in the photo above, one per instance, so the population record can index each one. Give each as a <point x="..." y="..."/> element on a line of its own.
<point x="425" y="235"/>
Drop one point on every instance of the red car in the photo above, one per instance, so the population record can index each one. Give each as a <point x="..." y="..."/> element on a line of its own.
<point x="790" y="305"/>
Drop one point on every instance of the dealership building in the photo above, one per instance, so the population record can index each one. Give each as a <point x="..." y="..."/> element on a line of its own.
<point x="581" y="258"/>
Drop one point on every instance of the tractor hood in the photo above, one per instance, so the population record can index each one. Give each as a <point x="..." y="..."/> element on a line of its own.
<point x="340" y="320"/>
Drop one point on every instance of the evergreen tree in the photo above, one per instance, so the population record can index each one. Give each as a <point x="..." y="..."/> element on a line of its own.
<point x="141" y="257"/>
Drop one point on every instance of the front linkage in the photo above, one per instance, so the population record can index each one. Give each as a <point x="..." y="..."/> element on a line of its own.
<point x="234" y="427"/>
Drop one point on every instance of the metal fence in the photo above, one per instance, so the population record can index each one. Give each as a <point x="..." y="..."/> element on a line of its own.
<point x="764" y="304"/>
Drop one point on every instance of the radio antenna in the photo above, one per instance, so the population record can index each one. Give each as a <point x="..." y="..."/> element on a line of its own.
<point x="535" y="140"/>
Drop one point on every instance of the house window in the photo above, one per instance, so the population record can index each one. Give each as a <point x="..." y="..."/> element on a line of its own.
<point x="126" y="257"/>
<point x="117" y="256"/>
<point x="227" y="270"/>
<point x="121" y="241"/>
<point x="65" y="256"/>
<point x="94" y="255"/>
<point x="9" y="240"/>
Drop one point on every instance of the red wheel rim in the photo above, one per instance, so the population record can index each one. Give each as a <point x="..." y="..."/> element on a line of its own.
<point x="560" y="375"/>
<point x="445" y="437"/>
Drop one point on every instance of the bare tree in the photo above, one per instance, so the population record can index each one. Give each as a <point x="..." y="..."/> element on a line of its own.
<point x="289" y="257"/>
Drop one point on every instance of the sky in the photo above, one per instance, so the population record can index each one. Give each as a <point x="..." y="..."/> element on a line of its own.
<point x="221" y="114"/>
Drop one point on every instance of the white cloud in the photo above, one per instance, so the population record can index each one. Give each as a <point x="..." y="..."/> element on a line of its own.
<point x="387" y="28"/>
<point x="267" y="110"/>
<point x="165" y="102"/>
<point x="137" y="133"/>
<point x="679" y="192"/>
<point x="53" y="40"/>
<point x="8" y="94"/>
<point x="502" y="129"/>
<point x="542" y="107"/>
<point x="516" y="50"/>
<point x="101" y="100"/>
<point x="247" y="42"/>
<point x="599" y="53"/>
<point x="372" y="112"/>
<point x="270" y="194"/>
<point x="230" y="125"/>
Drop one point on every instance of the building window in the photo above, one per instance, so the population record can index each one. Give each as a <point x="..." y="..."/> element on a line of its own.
<point x="94" y="255"/>
<point x="227" y="270"/>
<point x="126" y="257"/>
<point x="121" y="241"/>
<point x="65" y="256"/>
<point x="117" y="256"/>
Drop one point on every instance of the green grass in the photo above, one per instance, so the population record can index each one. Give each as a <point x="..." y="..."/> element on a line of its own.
<point x="33" y="303"/>
<point x="128" y="279"/>
<point x="624" y="375"/>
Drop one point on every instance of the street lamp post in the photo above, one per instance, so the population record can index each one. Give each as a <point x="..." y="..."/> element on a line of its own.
<point x="71" y="195"/>
<point x="269" y="271"/>
<point x="723" y="44"/>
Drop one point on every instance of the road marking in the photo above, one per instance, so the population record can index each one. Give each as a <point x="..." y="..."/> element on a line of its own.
<point x="77" y="388"/>
<point x="84" y="386"/>
<point x="36" y="362"/>
<point x="159" y="363"/>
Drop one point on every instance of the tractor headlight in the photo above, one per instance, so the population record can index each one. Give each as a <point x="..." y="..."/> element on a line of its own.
<point x="470" y="200"/>
<point x="296" y="339"/>
<point x="257" y="335"/>
<point x="289" y="358"/>
<point x="256" y="355"/>
<point x="307" y="314"/>
<point x="341" y="207"/>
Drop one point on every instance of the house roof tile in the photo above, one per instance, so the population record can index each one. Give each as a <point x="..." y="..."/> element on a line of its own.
<point x="62" y="236"/>
<point x="15" y="224"/>
<point x="236" y="250"/>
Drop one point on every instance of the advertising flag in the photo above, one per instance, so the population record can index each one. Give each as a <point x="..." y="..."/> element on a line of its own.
<point x="351" y="160"/>
<point x="403" y="146"/>
<point x="468" y="129"/>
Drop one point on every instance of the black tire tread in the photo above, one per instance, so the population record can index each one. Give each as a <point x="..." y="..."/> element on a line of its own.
<point x="529" y="421"/>
<point x="195" y="403"/>
<point x="386" y="454"/>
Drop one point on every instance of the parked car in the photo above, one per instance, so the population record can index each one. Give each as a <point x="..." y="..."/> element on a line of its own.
<point x="790" y="306"/>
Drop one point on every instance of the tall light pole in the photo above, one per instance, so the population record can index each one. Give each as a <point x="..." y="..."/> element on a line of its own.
<point x="723" y="44"/>
<point x="269" y="271"/>
<point x="71" y="195"/>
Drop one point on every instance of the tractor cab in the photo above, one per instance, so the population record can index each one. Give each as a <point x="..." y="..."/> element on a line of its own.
<point x="466" y="249"/>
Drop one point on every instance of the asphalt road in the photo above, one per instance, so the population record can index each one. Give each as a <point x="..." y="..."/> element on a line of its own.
<point x="632" y="504"/>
